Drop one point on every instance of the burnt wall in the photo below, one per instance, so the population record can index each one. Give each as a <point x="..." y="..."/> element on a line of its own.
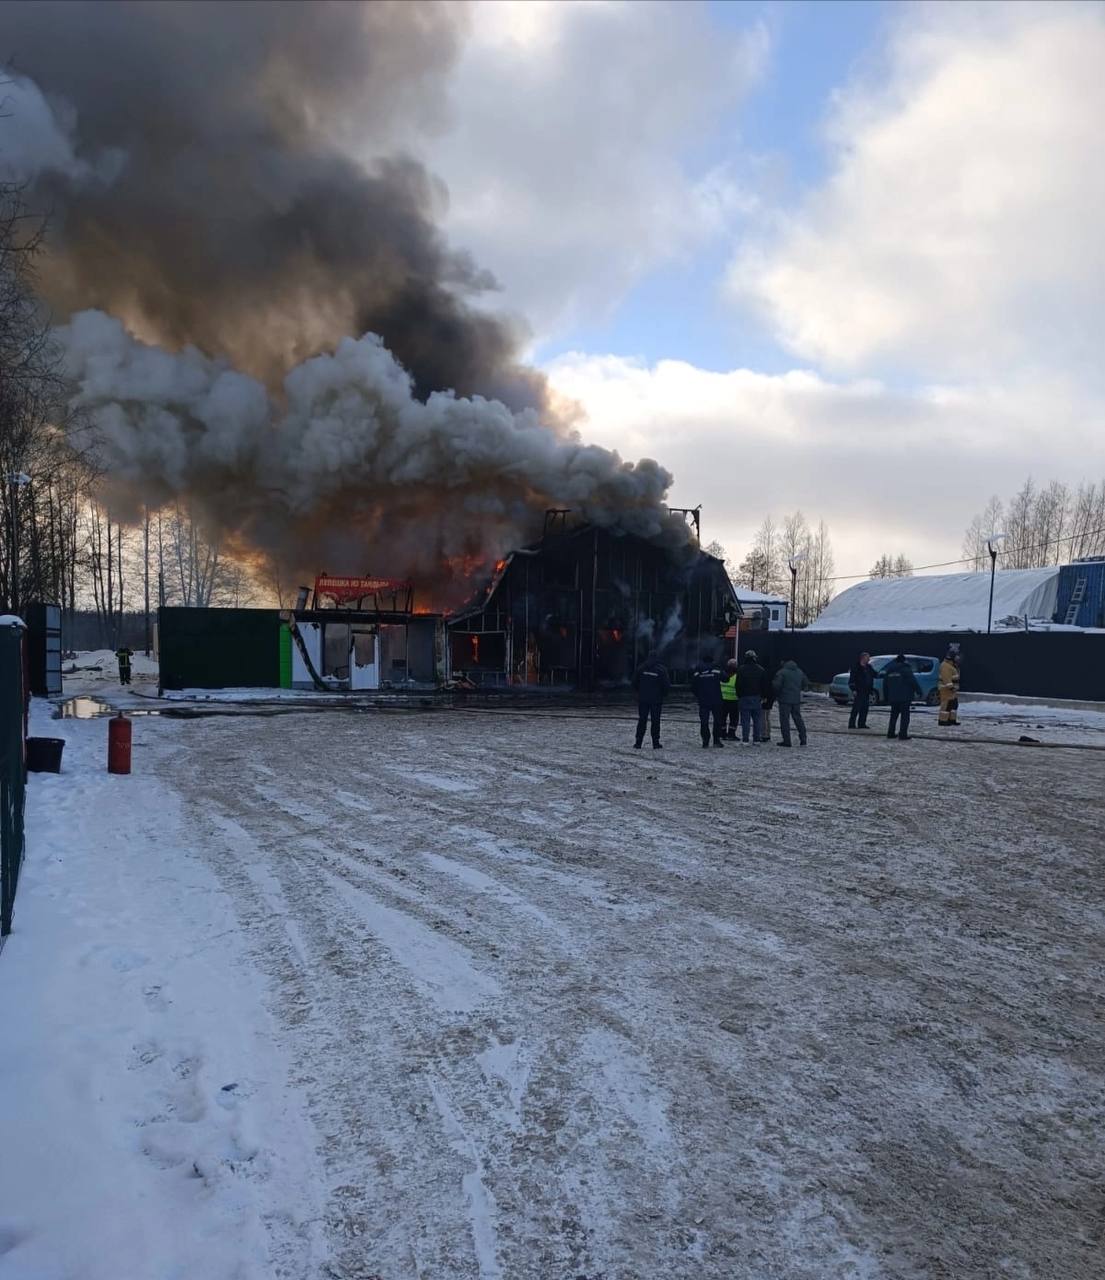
<point x="584" y="608"/>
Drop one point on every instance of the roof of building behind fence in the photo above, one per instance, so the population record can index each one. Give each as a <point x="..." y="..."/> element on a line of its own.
<point x="941" y="602"/>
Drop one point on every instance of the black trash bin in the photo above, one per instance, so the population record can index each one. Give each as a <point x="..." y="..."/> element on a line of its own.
<point x="44" y="755"/>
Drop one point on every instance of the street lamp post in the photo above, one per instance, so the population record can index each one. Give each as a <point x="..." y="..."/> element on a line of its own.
<point x="991" y="545"/>
<point x="16" y="481"/>
<point x="794" y="562"/>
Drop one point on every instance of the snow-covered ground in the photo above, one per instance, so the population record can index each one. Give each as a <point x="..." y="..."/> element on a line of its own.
<point x="103" y="665"/>
<point x="501" y="997"/>
<point x="147" y="1124"/>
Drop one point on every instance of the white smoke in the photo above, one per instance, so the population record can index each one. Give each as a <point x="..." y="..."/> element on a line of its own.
<point x="348" y="468"/>
<point x="44" y="142"/>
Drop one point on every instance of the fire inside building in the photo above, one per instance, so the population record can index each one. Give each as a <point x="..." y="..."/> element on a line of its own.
<point x="363" y="634"/>
<point x="582" y="607"/>
<point x="579" y="609"/>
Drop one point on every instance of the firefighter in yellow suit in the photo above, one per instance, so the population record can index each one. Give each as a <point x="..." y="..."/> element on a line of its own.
<point x="949" y="689"/>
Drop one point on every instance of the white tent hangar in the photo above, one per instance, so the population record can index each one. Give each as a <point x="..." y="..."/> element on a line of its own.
<point x="943" y="602"/>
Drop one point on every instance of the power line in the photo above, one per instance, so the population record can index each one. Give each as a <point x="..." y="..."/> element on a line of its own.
<point x="947" y="564"/>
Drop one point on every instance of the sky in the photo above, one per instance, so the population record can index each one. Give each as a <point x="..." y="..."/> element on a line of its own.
<point x="839" y="257"/>
<point x="845" y="258"/>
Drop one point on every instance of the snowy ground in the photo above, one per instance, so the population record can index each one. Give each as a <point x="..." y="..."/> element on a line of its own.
<point x="102" y="666"/>
<point x="501" y="997"/>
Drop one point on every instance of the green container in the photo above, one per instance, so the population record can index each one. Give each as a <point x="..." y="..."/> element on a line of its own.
<point x="285" y="656"/>
<point x="218" y="648"/>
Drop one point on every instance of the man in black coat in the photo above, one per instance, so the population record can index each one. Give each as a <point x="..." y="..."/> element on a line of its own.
<point x="770" y="668"/>
<point x="652" y="683"/>
<point x="706" y="686"/>
<point x="751" y="687"/>
<point x="861" y="681"/>
<point x="900" y="687"/>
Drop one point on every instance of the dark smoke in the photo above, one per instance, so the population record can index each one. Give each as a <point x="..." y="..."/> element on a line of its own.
<point x="199" y="163"/>
<point x="222" y="210"/>
<point x="348" y="469"/>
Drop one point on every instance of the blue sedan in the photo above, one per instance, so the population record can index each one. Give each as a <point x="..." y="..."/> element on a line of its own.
<point x="927" y="671"/>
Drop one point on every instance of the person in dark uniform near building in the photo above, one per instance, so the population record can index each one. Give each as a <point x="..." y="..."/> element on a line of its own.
<point x="652" y="684"/>
<point x="729" y="695"/>
<point x="861" y="681"/>
<point x="752" y="684"/>
<point x="124" y="655"/>
<point x="900" y="687"/>
<point x="706" y="687"/>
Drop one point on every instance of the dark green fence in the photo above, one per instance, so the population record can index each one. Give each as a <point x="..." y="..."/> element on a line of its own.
<point x="12" y="767"/>
<point x="219" y="648"/>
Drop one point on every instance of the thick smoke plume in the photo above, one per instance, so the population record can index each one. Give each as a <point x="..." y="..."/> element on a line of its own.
<point x="207" y="196"/>
<point x="348" y="468"/>
<point x="199" y="164"/>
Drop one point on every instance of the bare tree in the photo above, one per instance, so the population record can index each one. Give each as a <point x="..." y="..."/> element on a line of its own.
<point x="760" y="570"/>
<point x="1044" y="526"/>
<point x="820" y="566"/>
<point x="987" y="522"/>
<point x="1087" y="521"/>
<point x="103" y="558"/>
<point x="887" y="566"/>
<point x="718" y="551"/>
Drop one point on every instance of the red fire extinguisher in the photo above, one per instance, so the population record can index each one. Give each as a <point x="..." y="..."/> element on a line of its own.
<point x="118" y="744"/>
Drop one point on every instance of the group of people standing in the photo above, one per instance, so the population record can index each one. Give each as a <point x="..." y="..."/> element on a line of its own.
<point x="740" y="696"/>
<point x="899" y="688"/>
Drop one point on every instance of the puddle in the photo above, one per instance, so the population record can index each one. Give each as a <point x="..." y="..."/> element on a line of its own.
<point x="82" y="709"/>
<point x="86" y="708"/>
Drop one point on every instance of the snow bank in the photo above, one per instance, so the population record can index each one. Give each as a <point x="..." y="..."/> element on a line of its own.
<point x="942" y="602"/>
<point x="146" y="1123"/>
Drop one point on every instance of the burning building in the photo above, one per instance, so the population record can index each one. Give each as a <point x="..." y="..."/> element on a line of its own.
<point x="584" y="605"/>
<point x="362" y="634"/>
<point x="579" y="609"/>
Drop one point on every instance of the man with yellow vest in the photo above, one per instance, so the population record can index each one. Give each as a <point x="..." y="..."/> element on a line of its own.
<point x="729" y="703"/>
<point x="949" y="689"/>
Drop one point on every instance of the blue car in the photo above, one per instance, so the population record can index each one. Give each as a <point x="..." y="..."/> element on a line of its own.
<point x="927" y="671"/>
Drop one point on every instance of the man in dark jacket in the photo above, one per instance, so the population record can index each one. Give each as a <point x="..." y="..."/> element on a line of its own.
<point x="861" y="681"/>
<point x="789" y="682"/>
<point x="770" y="669"/>
<point x="706" y="687"/>
<point x="751" y="687"/>
<point x="652" y="683"/>
<point x="900" y="687"/>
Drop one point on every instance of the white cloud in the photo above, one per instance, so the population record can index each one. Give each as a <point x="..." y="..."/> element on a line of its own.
<point x="960" y="229"/>
<point x="888" y="471"/>
<point x="566" y="160"/>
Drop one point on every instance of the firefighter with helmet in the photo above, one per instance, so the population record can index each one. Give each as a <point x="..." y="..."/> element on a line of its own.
<point x="124" y="655"/>
<point x="949" y="689"/>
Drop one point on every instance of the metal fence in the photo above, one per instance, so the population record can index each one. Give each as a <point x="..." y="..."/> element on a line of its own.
<point x="1043" y="664"/>
<point x="12" y="767"/>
